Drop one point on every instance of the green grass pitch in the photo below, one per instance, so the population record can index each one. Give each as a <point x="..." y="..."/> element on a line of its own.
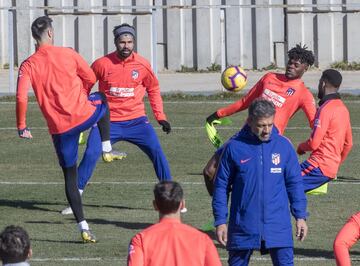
<point x="118" y="202"/>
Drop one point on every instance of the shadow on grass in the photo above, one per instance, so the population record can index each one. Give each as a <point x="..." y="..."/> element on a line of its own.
<point x="314" y="253"/>
<point x="116" y="207"/>
<point x="42" y="222"/>
<point x="196" y="174"/>
<point x="126" y="225"/>
<point x="33" y="205"/>
<point x="348" y="179"/>
<point x="29" y="205"/>
<point x="319" y="253"/>
<point x="57" y="241"/>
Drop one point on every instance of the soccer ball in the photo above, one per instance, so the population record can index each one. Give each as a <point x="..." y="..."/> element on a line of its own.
<point x="234" y="78"/>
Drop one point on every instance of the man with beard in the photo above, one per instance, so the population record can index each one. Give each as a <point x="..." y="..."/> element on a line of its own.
<point x="125" y="77"/>
<point x="287" y="92"/>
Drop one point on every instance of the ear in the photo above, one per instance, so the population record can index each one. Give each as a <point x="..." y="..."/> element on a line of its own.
<point x="182" y="204"/>
<point x="155" y="206"/>
<point x="30" y="253"/>
<point x="306" y="67"/>
<point x="50" y="34"/>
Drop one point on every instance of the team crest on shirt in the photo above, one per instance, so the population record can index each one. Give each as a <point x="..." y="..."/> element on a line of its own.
<point x="275" y="158"/>
<point x="131" y="249"/>
<point x="135" y="74"/>
<point x="290" y="91"/>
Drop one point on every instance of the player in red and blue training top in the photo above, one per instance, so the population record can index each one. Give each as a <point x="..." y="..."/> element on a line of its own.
<point x="125" y="77"/>
<point x="287" y="92"/>
<point x="331" y="138"/>
<point x="58" y="76"/>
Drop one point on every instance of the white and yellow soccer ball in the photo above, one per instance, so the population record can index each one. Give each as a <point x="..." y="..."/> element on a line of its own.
<point x="234" y="78"/>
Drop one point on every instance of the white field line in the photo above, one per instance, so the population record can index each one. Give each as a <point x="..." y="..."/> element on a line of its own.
<point x="177" y="128"/>
<point x="135" y="183"/>
<point x="253" y="258"/>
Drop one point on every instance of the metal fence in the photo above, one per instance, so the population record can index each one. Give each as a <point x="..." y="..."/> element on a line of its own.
<point x="195" y="34"/>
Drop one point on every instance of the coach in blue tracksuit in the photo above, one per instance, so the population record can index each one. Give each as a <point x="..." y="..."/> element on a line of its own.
<point x="261" y="170"/>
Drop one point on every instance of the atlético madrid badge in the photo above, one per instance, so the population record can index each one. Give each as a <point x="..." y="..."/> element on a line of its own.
<point x="135" y="74"/>
<point x="290" y="91"/>
<point x="275" y="158"/>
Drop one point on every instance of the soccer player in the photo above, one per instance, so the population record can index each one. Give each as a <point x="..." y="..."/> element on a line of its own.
<point x="15" y="246"/>
<point x="59" y="77"/>
<point x="171" y="242"/>
<point x="345" y="239"/>
<point x="287" y="91"/>
<point x="125" y="77"/>
<point x="261" y="168"/>
<point x="331" y="138"/>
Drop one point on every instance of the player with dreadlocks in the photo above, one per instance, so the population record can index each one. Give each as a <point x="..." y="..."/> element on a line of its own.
<point x="287" y="91"/>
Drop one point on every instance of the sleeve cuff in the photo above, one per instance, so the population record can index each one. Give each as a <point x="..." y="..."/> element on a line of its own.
<point x="219" y="222"/>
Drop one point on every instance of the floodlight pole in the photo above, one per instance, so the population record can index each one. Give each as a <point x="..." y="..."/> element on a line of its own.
<point x="11" y="50"/>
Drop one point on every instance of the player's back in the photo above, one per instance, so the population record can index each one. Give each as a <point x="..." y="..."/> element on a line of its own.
<point x="333" y="116"/>
<point x="57" y="75"/>
<point x="172" y="243"/>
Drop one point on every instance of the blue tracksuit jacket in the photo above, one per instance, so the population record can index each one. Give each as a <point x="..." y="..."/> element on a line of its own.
<point x="264" y="178"/>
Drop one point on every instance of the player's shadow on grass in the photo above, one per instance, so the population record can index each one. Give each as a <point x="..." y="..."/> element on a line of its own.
<point x="126" y="225"/>
<point x="315" y="253"/>
<point x="115" y="207"/>
<point x="36" y="205"/>
<point x="57" y="241"/>
<point x="347" y="179"/>
<point x="29" y="204"/>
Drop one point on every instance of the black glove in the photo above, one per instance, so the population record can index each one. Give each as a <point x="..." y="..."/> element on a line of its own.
<point x="165" y="126"/>
<point x="212" y="117"/>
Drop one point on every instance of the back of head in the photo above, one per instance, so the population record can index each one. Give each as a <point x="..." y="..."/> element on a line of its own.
<point x="14" y="244"/>
<point x="261" y="108"/>
<point x="39" y="27"/>
<point x="333" y="77"/>
<point x="168" y="196"/>
<point x="301" y="53"/>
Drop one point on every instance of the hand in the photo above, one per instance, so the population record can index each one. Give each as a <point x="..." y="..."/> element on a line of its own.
<point x="212" y="117"/>
<point x="301" y="229"/>
<point x="165" y="126"/>
<point x="300" y="150"/>
<point x="221" y="234"/>
<point x="25" y="133"/>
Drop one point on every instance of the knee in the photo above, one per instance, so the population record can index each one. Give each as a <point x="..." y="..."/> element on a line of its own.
<point x="208" y="172"/>
<point x="92" y="154"/>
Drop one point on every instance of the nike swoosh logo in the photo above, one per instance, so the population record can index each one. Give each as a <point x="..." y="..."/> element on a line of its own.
<point x="244" y="161"/>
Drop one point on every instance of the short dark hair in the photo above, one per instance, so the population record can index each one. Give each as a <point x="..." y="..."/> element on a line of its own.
<point x="14" y="244"/>
<point x="39" y="26"/>
<point x="333" y="77"/>
<point x="261" y="108"/>
<point x="302" y="53"/>
<point x="168" y="196"/>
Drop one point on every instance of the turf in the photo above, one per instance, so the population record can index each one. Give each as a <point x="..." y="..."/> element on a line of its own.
<point x="118" y="202"/>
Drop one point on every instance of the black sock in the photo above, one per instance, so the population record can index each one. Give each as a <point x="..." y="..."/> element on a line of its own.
<point x="104" y="122"/>
<point x="72" y="192"/>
